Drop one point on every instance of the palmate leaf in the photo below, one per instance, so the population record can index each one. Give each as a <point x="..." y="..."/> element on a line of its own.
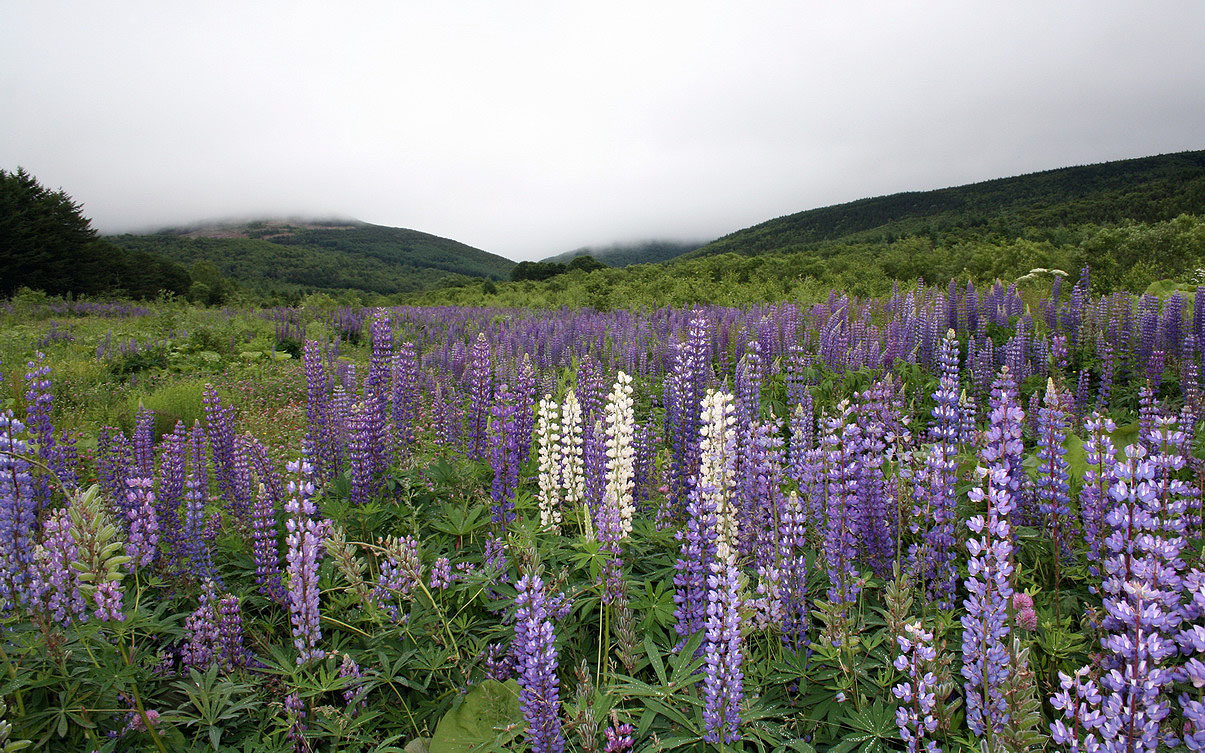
<point x="874" y="730"/>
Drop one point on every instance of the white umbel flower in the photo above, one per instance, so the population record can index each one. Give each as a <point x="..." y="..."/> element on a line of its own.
<point x="717" y="467"/>
<point x="548" y="437"/>
<point x="620" y="417"/>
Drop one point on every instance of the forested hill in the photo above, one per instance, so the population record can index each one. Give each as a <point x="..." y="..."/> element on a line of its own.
<point x="1148" y="189"/>
<point x="289" y="255"/>
<point x="625" y="254"/>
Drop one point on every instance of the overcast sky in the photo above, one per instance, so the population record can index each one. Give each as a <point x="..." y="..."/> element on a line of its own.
<point x="531" y="128"/>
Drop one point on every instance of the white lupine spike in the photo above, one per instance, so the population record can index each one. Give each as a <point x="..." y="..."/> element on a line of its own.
<point x="573" y="475"/>
<point x="620" y="417"/>
<point x="717" y="467"/>
<point x="548" y="435"/>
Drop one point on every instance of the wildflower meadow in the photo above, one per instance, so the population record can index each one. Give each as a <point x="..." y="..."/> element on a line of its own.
<point x="948" y="519"/>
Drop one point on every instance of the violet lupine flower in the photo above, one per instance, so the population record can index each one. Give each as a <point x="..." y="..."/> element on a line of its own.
<point x="525" y="403"/>
<point x="55" y="588"/>
<point x="536" y="660"/>
<point x="1053" y="486"/>
<point x="377" y="389"/>
<point x="710" y="526"/>
<point x="1137" y="584"/>
<point x="723" y="680"/>
<point x="401" y="573"/>
<point x="219" y="425"/>
<point x="794" y="580"/>
<point x="441" y="574"/>
<point x="144" y="443"/>
<point x="934" y="511"/>
<point x="406" y="395"/>
<point x="172" y="476"/>
<point x="114" y="458"/>
<point x="18" y="513"/>
<point x="265" y="531"/>
<point x="142" y="523"/>
<point x="618" y="739"/>
<point x="38" y="406"/>
<point x="359" y="452"/>
<point x="504" y="456"/>
<point x="881" y="431"/>
<point x="841" y="442"/>
<point x="194" y="544"/>
<point x="914" y="717"/>
<point x="684" y="390"/>
<point x="1078" y="698"/>
<point x="304" y="540"/>
<point x="320" y="446"/>
<point x="214" y="632"/>
<point x="548" y="439"/>
<point x="355" y="694"/>
<point x="986" y="666"/>
<point x="481" y="396"/>
<point x="1100" y="457"/>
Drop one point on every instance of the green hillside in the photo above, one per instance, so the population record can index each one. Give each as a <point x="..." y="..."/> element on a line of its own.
<point x="1134" y="222"/>
<point x="626" y="254"/>
<point x="1148" y="189"/>
<point x="290" y="255"/>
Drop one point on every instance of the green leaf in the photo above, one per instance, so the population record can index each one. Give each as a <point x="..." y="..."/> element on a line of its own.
<point x="488" y="712"/>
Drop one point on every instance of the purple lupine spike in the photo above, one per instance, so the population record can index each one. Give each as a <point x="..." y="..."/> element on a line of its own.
<point x="841" y="442"/>
<point x="359" y="454"/>
<point x="504" y="456"/>
<point x="1100" y="456"/>
<point x="304" y="540"/>
<point x="1137" y="580"/>
<point x="1108" y="365"/>
<point x="144" y="443"/>
<point x="1053" y="485"/>
<point x="684" y="390"/>
<point x="881" y="429"/>
<point x="989" y="583"/>
<point x="320" y="446"/>
<point x="219" y="426"/>
<point x="265" y="531"/>
<point x="114" y="459"/>
<point x="172" y="475"/>
<point x="1078" y="698"/>
<point x="524" y="395"/>
<point x="377" y="389"/>
<point x="55" y="587"/>
<point x="355" y="693"/>
<point x="916" y="692"/>
<point x="792" y="543"/>
<point x="194" y="544"/>
<point x="749" y="374"/>
<point x="39" y="403"/>
<point x="536" y="659"/>
<point x="142" y="522"/>
<point x="406" y="393"/>
<point x="934" y="511"/>
<point x="18" y="513"/>
<point x="708" y="530"/>
<point x="481" y="397"/>
<point x="723" y="687"/>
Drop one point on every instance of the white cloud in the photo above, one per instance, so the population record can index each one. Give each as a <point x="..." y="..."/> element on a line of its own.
<point x="530" y="128"/>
